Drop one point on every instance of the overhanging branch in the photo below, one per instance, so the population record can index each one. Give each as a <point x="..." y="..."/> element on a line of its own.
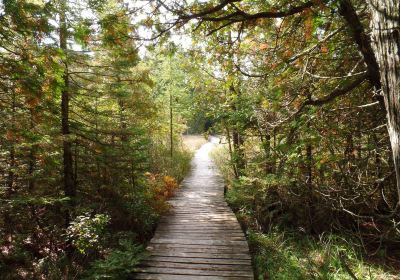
<point x="337" y="92"/>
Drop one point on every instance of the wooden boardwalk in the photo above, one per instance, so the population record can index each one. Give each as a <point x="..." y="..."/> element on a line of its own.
<point x="201" y="237"/>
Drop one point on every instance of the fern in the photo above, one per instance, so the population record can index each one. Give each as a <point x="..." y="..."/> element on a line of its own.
<point x="119" y="264"/>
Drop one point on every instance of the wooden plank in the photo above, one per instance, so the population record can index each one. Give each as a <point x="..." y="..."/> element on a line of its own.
<point x="198" y="260"/>
<point x="198" y="272"/>
<point x="205" y="255"/>
<point x="149" y="276"/>
<point x="224" y="267"/>
<point x="200" y="238"/>
<point x="186" y="247"/>
<point x="199" y="242"/>
<point x="198" y="251"/>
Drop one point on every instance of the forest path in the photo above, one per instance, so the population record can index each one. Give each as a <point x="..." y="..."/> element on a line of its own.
<point x="200" y="238"/>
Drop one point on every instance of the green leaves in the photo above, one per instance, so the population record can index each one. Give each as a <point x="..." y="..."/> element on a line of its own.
<point x="82" y="32"/>
<point x="97" y="5"/>
<point x="86" y="230"/>
<point x="119" y="264"/>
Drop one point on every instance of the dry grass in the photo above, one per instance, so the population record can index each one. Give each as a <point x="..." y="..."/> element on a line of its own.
<point x="193" y="142"/>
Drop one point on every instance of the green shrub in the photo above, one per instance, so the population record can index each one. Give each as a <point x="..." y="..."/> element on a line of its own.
<point x="85" y="231"/>
<point x="119" y="264"/>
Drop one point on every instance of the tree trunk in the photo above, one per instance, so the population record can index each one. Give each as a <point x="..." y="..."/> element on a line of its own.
<point x="362" y="40"/>
<point x="31" y="164"/>
<point x="309" y="166"/>
<point x="228" y="135"/>
<point x="385" y="33"/>
<point x="269" y="166"/>
<point x="122" y="120"/>
<point x="69" y="184"/>
<point x="171" y="131"/>
<point x="238" y="152"/>
<point x="11" y="174"/>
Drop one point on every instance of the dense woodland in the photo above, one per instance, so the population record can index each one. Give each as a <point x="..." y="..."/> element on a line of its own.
<point x="96" y="95"/>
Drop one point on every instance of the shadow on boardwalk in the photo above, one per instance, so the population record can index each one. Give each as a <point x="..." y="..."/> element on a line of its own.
<point x="200" y="238"/>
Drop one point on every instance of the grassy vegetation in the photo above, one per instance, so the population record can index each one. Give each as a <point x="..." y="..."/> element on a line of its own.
<point x="193" y="142"/>
<point x="285" y="255"/>
<point x="284" y="252"/>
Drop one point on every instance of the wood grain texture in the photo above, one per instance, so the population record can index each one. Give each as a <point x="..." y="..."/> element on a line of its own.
<point x="200" y="238"/>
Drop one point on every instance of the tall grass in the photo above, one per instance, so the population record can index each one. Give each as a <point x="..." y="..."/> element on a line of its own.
<point x="192" y="143"/>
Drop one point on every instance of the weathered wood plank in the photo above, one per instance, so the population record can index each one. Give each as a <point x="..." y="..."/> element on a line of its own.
<point x="224" y="267"/>
<point x="199" y="260"/>
<point x="149" y="276"/>
<point x="197" y="248"/>
<point x="197" y="272"/>
<point x="200" y="238"/>
<point x="205" y="255"/>
<point x="199" y="242"/>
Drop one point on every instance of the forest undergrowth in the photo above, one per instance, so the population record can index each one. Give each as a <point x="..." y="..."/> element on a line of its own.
<point x="109" y="231"/>
<point x="286" y="245"/>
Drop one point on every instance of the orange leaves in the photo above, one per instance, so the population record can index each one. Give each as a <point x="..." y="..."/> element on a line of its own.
<point x="31" y="99"/>
<point x="263" y="46"/>
<point x="161" y="188"/>
<point x="170" y="185"/>
<point x="297" y="103"/>
<point x="324" y="48"/>
<point x="288" y="53"/>
<point x="9" y="135"/>
<point x="32" y="102"/>
<point x="308" y="24"/>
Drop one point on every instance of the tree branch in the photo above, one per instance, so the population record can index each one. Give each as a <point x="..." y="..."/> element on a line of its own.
<point x="240" y="15"/>
<point x="336" y="93"/>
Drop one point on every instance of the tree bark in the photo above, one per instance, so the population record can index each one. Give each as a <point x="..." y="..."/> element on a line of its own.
<point x="31" y="164"/>
<point x="238" y="152"/>
<point x="385" y="34"/>
<point x="228" y="135"/>
<point x="267" y="150"/>
<point x="12" y="163"/>
<point x="362" y="40"/>
<point x="171" y="131"/>
<point x="69" y="184"/>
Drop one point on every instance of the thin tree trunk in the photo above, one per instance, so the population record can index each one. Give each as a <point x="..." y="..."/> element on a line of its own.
<point x="31" y="168"/>
<point x="362" y="40"/>
<point x="269" y="166"/>
<point x="69" y="184"/>
<point x="76" y="155"/>
<point x="228" y="135"/>
<point x="11" y="174"/>
<point x="238" y="151"/>
<point x="385" y="33"/>
<point x="309" y="180"/>
<point x="171" y="132"/>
